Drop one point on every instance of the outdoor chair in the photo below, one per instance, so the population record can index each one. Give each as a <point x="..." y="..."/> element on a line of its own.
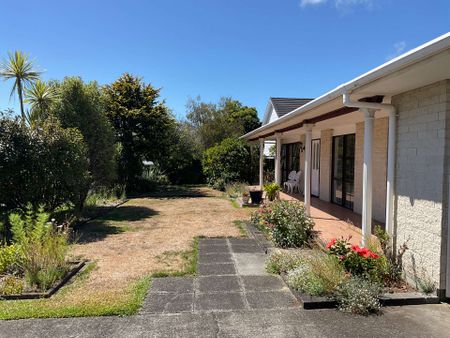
<point x="291" y="177"/>
<point x="294" y="183"/>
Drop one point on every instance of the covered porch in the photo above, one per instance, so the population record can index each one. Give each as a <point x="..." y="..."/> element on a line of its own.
<point x="343" y="153"/>
<point x="331" y="220"/>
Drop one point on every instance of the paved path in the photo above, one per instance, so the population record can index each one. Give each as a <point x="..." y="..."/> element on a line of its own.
<point x="233" y="296"/>
<point x="231" y="276"/>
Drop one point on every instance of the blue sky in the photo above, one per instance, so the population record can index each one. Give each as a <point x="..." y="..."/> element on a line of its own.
<point x="246" y="49"/>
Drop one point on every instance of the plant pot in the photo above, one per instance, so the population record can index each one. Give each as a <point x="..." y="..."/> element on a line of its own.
<point x="256" y="196"/>
<point x="245" y="199"/>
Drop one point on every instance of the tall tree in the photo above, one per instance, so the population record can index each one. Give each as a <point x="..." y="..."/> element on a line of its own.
<point x="20" y="68"/>
<point x="143" y="125"/>
<point x="40" y="96"/>
<point x="215" y="122"/>
<point x="82" y="106"/>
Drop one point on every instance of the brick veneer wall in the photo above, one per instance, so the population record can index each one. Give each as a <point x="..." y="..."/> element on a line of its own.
<point x="421" y="181"/>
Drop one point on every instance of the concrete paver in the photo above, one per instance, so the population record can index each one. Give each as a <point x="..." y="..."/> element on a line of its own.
<point x="263" y="307"/>
<point x="216" y="269"/>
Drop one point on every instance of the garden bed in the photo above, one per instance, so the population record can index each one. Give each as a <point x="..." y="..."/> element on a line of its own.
<point x="76" y="268"/>
<point x="395" y="295"/>
<point x="387" y="299"/>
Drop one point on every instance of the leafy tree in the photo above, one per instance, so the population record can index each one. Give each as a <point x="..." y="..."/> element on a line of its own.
<point x="82" y="106"/>
<point x="42" y="165"/>
<point x="183" y="165"/>
<point x="245" y="118"/>
<point x="229" y="161"/>
<point x="216" y="122"/>
<point x="40" y="96"/>
<point x="143" y="125"/>
<point x="21" y="69"/>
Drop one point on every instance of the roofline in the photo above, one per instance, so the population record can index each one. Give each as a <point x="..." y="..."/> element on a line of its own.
<point x="266" y="113"/>
<point x="413" y="56"/>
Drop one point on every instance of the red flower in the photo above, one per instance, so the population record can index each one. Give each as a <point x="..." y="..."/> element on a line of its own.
<point x="331" y="243"/>
<point x="364" y="252"/>
<point x="355" y="248"/>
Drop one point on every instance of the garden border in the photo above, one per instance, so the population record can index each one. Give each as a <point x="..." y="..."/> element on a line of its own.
<point x="37" y="295"/>
<point x="314" y="302"/>
<point x="387" y="299"/>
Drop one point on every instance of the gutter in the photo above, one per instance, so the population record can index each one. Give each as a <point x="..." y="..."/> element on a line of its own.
<point x="415" y="55"/>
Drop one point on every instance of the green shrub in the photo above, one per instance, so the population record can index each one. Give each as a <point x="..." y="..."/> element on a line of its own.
<point x="152" y="177"/>
<point x="81" y="105"/>
<point x="289" y="224"/>
<point x="44" y="248"/>
<point x="425" y="283"/>
<point x="282" y="261"/>
<point x="10" y="259"/>
<point x="235" y="189"/>
<point x="271" y="190"/>
<point x="318" y="275"/>
<point x="229" y="161"/>
<point x="104" y="195"/>
<point x="394" y="263"/>
<point x="11" y="285"/>
<point x="359" y="296"/>
<point x="43" y="165"/>
<point x="304" y="279"/>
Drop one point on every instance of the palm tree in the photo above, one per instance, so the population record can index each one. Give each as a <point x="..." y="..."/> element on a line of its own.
<point x="39" y="95"/>
<point x="19" y="68"/>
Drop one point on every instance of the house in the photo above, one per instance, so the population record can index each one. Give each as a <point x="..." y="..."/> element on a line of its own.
<point x="379" y="146"/>
<point x="278" y="107"/>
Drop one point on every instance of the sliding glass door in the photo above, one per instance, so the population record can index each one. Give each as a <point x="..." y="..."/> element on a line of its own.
<point x="290" y="159"/>
<point x="343" y="170"/>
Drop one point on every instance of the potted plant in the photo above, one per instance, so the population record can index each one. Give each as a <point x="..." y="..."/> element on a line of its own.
<point x="271" y="190"/>
<point x="256" y="196"/>
<point x="245" y="197"/>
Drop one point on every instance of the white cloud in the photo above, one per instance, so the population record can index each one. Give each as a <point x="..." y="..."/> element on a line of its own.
<point x="399" y="48"/>
<point x="304" y="3"/>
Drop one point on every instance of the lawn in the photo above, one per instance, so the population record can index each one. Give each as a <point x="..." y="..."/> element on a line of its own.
<point x="145" y="237"/>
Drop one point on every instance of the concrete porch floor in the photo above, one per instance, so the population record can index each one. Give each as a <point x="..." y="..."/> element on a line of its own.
<point x="331" y="220"/>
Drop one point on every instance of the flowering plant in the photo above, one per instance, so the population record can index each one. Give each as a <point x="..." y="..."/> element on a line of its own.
<point x="356" y="260"/>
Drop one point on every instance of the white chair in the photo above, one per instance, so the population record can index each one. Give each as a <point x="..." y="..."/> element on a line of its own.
<point x="291" y="177"/>
<point x="294" y="184"/>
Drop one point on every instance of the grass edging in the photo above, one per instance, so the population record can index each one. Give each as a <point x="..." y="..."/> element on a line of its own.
<point x="190" y="267"/>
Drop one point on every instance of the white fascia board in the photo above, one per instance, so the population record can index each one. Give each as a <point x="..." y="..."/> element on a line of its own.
<point x="413" y="56"/>
<point x="267" y="114"/>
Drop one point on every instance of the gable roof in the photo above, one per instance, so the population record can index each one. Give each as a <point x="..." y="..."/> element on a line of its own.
<point x="284" y="105"/>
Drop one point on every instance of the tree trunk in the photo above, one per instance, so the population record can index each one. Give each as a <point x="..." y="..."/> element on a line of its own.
<point x="20" y="93"/>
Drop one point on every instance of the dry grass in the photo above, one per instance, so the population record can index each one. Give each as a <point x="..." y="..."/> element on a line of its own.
<point x="141" y="237"/>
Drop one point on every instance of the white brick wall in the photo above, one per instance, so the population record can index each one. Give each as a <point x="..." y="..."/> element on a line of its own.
<point x="420" y="197"/>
